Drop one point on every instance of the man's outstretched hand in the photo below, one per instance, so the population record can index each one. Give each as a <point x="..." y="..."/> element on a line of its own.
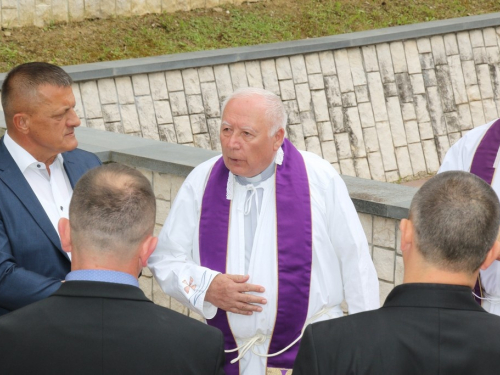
<point x="228" y="292"/>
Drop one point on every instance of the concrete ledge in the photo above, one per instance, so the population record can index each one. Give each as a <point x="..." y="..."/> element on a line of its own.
<point x="231" y="55"/>
<point x="380" y="198"/>
<point x="371" y="197"/>
<point x="144" y="153"/>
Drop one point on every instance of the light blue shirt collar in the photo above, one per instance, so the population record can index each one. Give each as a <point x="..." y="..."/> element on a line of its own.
<point x="103" y="276"/>
<point x="255" y="180"/>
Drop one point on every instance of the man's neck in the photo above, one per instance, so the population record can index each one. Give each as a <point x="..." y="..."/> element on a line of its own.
<point x="433" y="275"/>
<point x="91" y="262"/>
<point x="31" y="149"/>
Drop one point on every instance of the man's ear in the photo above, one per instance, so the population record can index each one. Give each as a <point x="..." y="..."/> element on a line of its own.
<point x="21" y="123"/>
<point x="278" y="139"/>
<point x="493" y="254"/>
<point x="65" y="234"/>
<point x="147" y="248"/>
<point x="407" y="234"/>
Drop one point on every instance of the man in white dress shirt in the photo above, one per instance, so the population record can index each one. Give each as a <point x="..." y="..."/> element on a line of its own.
<point x="478" y="152"/>
<point x="264" y="240"/>
<point x="39" y="165"/>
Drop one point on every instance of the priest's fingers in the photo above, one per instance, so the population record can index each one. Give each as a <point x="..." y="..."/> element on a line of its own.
<point x="229" y="295"/>
<point x="242" y="279"/>
<point x="251" y="288"/>
<point x="238" y="278"/>
<point x="250" y="298"/>
<point x="245" y="308"/>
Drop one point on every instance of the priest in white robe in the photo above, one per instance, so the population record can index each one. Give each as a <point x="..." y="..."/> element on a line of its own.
<point x="478" y="152"/>
<point x="264" y="240"/>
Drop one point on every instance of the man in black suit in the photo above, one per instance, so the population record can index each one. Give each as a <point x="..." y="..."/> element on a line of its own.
<point x="430" y="324"/>
<point x="99" y="321"/>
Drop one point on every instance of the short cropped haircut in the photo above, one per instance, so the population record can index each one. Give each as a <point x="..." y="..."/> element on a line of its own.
<point x="21" y="84"/>
<point x="113" y="206"/>
<point x="456" y="216"/>
<point x="275" y="110"/>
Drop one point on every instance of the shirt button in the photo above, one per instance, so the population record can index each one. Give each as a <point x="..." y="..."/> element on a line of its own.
<point x="38" y="165"/>
<point x="61" y="208"/>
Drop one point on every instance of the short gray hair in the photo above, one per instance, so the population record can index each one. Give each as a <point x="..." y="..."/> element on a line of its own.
<point x="456" y="216"/>
<point x="275" y="110"/>
<point x="21" y="84"/>
<point x="113" y="208"/>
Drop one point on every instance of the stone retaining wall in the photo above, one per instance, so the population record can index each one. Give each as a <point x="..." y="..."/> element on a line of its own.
<point x="384" y="111"/>
<point x="383" y="105"/>
<point x="16" y="13"/>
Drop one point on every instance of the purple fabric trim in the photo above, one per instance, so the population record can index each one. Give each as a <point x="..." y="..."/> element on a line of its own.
<point x="483" y="167"/>
<point x="294" y="251"/>
<point x="293" y="204"/>
<point x="214" y="229"/>
<point x="486" y="153"/>
<point x="478" y="291"/>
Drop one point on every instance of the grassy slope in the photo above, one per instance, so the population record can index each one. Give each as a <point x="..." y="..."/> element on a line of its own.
<point x="250" y="24"/>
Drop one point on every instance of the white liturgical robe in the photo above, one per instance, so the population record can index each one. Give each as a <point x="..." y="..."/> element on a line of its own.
<point x="459" y="158"/>
<point x="341" y="263"/>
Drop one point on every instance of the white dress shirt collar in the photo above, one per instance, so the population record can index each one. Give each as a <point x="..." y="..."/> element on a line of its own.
<point x="22" y="157"/>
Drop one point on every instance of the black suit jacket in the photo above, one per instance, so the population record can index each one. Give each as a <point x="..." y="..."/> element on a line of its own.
<point x="422" y="329"/>
<point x="96" y="328"/>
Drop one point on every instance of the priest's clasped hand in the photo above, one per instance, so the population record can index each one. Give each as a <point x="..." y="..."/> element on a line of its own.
<point x="228" y="292"/>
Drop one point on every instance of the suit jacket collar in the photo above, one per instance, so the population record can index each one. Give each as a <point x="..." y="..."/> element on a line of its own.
<point x="16" y="182"/>
<point x="73" y="167"/>
<point x="432" y="296"/>
<point x="98" y="289"/>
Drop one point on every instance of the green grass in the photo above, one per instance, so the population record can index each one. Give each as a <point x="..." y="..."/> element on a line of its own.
<point x="249" y="24"/>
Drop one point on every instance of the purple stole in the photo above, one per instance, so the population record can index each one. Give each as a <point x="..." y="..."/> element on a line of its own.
<point x="483" y="166"/>
<point x="294" y="232"/>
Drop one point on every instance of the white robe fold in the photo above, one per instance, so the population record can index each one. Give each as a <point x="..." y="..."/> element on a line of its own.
<point x="341" y="264"/>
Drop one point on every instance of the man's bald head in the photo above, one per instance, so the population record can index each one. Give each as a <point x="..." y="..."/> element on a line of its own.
<point x="113" y="208"/>
<point x="20" y="87"/>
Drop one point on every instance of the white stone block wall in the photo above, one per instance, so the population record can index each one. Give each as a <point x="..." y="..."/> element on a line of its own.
<point x="382" y="235"/>
<point x="382" y="112"/>
<point x="384" y="240"/>
<point x="17" y="13"/>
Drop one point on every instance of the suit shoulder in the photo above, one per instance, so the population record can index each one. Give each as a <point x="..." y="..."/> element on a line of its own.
<point x="183" y="322"/>
<point x="81" y="156"/>
<point x="22" y="319"/>
<point x="488" y="319"/>
<point x="330" y="330"/>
